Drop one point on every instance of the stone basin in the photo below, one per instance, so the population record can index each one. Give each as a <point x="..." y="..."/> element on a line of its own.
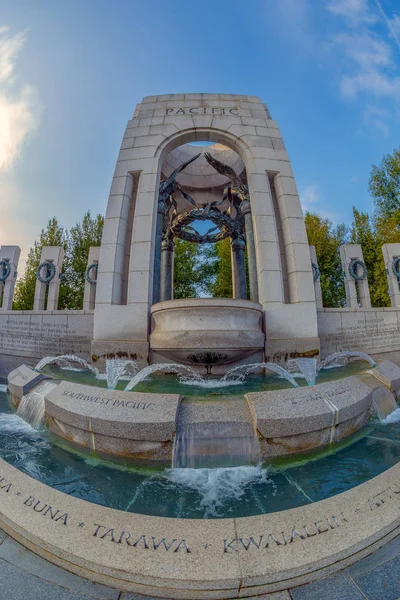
<point x="225" y="326"/>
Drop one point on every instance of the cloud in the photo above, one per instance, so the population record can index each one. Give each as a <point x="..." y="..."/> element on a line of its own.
<point x="353" y="10"/>
<point x="311" y="201"/>
<point x="368" y="66"/>
<point x="19" y="110"/>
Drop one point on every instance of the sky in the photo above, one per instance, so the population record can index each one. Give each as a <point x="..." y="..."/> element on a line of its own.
<point x="72" y="71"/>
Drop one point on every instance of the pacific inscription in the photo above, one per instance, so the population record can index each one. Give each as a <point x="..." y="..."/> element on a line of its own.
<point x="109" y="401"/>
<point x="202" y="110"/>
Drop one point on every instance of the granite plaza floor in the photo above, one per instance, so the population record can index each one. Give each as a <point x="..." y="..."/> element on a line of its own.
<point x="26" y="576"/>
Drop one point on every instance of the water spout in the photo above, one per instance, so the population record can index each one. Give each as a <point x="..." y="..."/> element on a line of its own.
<point x="182" y="370"/>
<point x="64" y="361"/>
<point x="306" y="366"/>
<point x="117" y="368"/>
<point x="235" y="373"/>
<point x="338" y="359"/>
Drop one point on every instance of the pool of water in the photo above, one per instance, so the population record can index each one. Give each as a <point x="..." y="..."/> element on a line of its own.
<point x="197" y="493"/>
<point x="212" y="386"/>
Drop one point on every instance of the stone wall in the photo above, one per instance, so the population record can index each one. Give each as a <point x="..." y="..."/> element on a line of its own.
<point x="27" y="336"/>
<point x="369" y="330"/>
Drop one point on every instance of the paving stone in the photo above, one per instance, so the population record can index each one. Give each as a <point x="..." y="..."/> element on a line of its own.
<point x="28" y="562"/>
<point x="335" y="587"/>
<point x="3" y="536"/>
<point x="19" y="585"/>
<point x="387" y="552"/>
<point x="382" y="583"/>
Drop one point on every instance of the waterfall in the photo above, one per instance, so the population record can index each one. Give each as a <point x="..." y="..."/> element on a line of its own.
<point x="221" y="434"/>
<point x="383" y="402"/>
<point x="31" y="406"/>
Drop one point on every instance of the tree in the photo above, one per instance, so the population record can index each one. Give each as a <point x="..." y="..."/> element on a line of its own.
<point x="80" y="238"/>
<point x="222" y="286"/>
<point x="384" y="186"/>
<point x="53" y="235"/>
<point x="327" y="239"/>
<point x="76" y="245"/>
<point x="194" y="269"/>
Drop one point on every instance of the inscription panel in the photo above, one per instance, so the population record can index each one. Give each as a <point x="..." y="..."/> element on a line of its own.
<point x="368" y="332"/>
<point x="40" y="335"/>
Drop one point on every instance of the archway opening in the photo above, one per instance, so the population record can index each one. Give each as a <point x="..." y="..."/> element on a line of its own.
<point x="201" y="229"/>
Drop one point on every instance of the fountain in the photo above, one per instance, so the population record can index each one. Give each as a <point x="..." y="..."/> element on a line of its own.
<point x="109" y="468"/>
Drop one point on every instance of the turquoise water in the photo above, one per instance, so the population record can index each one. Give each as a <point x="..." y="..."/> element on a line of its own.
<point x="197" y="493"/>
<point x="170" y="384"/>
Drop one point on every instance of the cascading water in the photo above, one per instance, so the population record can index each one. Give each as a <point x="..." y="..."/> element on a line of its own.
<point x="383" y="402"/>
<point x="117" y="368"/>
<point x="64" y="362"/>
<point x="182" y="370"/>
<point x="219" y="435"/>
<point x="31" y="408"/>
<point x="337" y="359"/>
<point x="306" y="366"/>
<point x="235" y="374"/>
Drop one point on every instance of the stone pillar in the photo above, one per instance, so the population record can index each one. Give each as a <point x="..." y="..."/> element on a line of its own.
<point x="11" y="255"/>
<point x="316" y="277"/>
<point x="390" y="253"/>
<point x="89" y="295"/>
<point x="55" y="255"/>
<point x="239" y="269"/>
<point x="157" y="252"/>
<point x="167" y="270"/>
<point x="251" y="251"/>
<point x="348" y="253"/>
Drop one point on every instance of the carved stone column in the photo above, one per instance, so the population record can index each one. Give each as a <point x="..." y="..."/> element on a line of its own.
<point x="157" y="252"/>
<point x="251" y="250"/>
<point x="239" y="269"/>
<point x="167" y="270"/>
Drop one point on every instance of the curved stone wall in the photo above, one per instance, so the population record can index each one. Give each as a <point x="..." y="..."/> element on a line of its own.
<point x="144" y="425"/>
<point x="193" y="558"/>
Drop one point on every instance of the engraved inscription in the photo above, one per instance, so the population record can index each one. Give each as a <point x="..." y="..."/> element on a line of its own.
<point x="109" y="401"/>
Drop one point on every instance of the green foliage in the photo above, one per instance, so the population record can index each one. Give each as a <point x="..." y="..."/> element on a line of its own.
<point x="80" y="238"/>
<point x="76" y="245"/>
<point x="384" y="186"/>
<point x="222" y="286"/>
<point x="194" y="269"/>
<point x="53" y="235"/>
<point x="327" y="239"/>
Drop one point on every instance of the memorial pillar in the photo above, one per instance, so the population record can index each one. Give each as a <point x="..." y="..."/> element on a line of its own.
<point x="53" y="256"/>
<point x="251" y="250"/>
<point x="167" y="270"/>
<point x="355" y="276"/>
<point x="157" y="252"/>
<point x="10" y="255"/>
<point x="89" y="295"/>
<point x="391" y="256"/>
<point x="316" y="277"/>
<point x="238" y="269"/>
